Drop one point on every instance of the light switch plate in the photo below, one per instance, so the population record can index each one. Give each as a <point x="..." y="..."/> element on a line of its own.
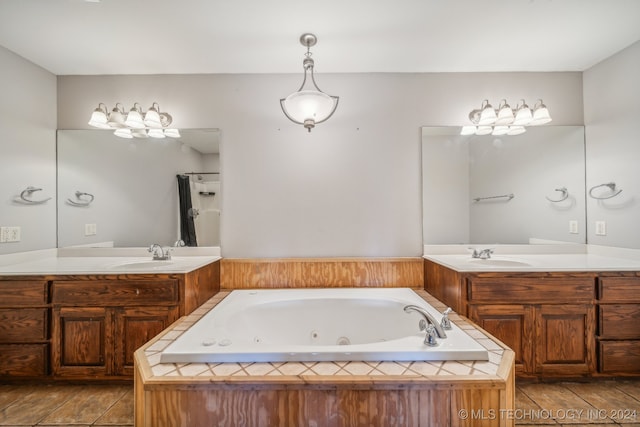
<point x="573" y="227"/>
<point x="9" y="234"/>
<point x="601" y="228"/>
<point x="90" y="229"/>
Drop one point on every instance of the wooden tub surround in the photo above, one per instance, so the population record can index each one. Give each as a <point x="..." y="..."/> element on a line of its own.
<point x="321" y="273"/>
<point x="451" y="393"/>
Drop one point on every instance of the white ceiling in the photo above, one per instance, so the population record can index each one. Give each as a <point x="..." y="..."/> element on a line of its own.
<point x="69" y="37"/>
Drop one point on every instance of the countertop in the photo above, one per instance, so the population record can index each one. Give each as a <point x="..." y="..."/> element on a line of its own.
<point x="103" y="261"/>
<point x="538" y="259"/>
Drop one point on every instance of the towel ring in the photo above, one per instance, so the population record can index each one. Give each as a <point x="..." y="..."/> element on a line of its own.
<point x="25" y="196"/>
<point x="81" y="202"/>
<point x="612" y="187"/>
<point x="565" y="195"/>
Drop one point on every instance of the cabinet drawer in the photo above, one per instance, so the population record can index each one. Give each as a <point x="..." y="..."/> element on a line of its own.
<point x="619" y="321"/>
<point x="620" y="356"/>
<point x="23" y="360"/>
<point x="22" y="293"/>
<point x="619" y="289"/>
<point x="115" y="292"/>
<point x="23" y="325"/>
<point x="529" y="290"/>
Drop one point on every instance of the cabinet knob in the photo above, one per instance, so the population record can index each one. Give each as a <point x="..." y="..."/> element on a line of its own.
<point x="137" y="291"/>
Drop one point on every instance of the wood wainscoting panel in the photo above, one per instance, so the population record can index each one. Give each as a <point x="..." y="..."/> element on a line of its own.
<point x="321" y="273"/>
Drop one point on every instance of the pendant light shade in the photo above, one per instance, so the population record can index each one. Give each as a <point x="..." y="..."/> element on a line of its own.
<point x="308" y="106"/>
<point x="505" y="114"/>
<point x="540" y="114"/>
<point x="152" y="116"/>
<point x="523" y="115"/>
<point x="134" y="118"/>
<point x="99" y="117"/>
<point x="123" y="133"/>
<point x="487" y="114"/>
<point x="156" y="133"/>
<point x="172" y="133"/>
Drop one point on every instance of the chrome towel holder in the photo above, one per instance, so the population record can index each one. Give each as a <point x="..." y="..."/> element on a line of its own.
<point x="612" y="187"/>
<point x="563" y="197"/>
<point x="81" y="201"/>
<point x="25" y="196"/>
<point x="504" y="196"/>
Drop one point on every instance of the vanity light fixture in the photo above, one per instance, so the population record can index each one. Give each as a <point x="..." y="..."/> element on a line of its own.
<point x="136" y="123"/>
<point x="504" y="120"/>
<point x="308" y="106"/>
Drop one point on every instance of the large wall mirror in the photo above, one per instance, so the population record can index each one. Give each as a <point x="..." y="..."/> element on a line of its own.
<point x="504" y="189"/>
<point x="124" y="192"/>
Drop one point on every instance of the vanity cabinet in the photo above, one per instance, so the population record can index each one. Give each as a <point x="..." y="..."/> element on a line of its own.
<point x="87" y="327"/>
<point x="24" y="328"/>
<point x="100" y="341"/>
<point x="98" y="324"/>
<point x="619" y="324"/>
<point x="548" y="320"/>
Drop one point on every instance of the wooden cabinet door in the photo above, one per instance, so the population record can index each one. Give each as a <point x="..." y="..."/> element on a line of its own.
<point x="134" y="326"/>
<point x="82" y="341"/>
<point x="565" y="340"/>
<point x="513" y="325"/>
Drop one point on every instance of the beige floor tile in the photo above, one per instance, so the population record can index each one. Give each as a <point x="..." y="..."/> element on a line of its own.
<point x="120" y="414"/>
<point x="526" y="409"/>
<point x="609" y="401"/>
<point x="85" y="406"/>
<point x="632" y="388"/>
<point x="35" y="405"/>
<point x="559" y="403"/>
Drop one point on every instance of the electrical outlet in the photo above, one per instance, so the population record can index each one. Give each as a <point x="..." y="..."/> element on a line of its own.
<point x="9" y="234"/>
<point x="601" y="228"/>
<point x="573" y="227"/>
<point x="90" y="229"/>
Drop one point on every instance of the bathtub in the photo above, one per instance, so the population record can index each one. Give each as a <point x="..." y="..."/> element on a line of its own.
<point x="344" y="324"/>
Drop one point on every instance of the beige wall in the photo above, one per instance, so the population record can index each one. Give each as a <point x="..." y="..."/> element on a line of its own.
<point x="27" y="151"/>
<point x="351" y="187"/>
<point x="611" y="112"/>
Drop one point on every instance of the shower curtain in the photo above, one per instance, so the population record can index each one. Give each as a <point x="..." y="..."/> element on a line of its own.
<point x="187" y="226"/>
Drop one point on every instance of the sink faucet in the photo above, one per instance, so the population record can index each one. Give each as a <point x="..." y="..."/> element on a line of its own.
<point x="482" y="254"/>
<point x="159" y="254"/>
<point x="428" y="324"/>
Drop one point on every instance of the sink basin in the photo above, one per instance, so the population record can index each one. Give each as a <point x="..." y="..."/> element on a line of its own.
<point x="500" y="262"/>
<point x="142" y="265"/>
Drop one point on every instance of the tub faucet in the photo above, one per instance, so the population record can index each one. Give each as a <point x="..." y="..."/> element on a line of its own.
<point x="428" y="324"/>
<point x="482" y="254"/>
<point x="159" y="254"/>
<point x="445" y="323"/>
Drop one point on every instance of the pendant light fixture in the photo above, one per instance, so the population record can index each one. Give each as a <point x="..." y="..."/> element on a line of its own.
<point x="309" y="105"/>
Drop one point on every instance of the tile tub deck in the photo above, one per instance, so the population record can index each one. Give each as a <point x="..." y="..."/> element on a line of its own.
<point x="326" y="393"/>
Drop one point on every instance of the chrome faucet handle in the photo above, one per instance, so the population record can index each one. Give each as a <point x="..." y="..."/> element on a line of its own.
<point x="179" y="243"/>
<point x="430" y="338"/>
<point x="445" y="323"/>
<point x="159" y="254"/>
<point x="486" y="253"/>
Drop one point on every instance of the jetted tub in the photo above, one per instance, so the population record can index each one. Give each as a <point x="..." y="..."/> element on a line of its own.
<point x="343" y="324"/>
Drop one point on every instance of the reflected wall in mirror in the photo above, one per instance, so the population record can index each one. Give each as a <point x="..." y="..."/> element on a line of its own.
<point x="124" y="191"/>
<point x="503" y="189"/>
